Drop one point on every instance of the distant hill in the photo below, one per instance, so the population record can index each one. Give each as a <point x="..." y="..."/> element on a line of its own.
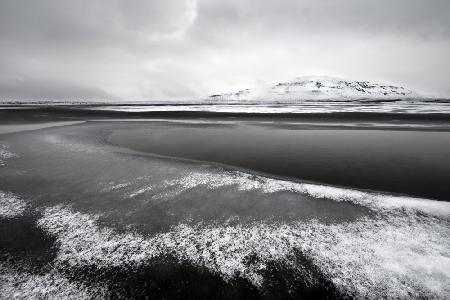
<point x="320" y="88"/>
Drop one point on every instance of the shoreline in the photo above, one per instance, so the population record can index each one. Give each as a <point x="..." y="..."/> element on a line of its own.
<point x="84" y="113"/>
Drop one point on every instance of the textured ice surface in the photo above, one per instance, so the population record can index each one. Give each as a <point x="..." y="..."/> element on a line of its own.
<point x="19" y="284"/>
<point x="404" y="251"/>
<point x="399" y="254"/>
<point x="11" y="205"/>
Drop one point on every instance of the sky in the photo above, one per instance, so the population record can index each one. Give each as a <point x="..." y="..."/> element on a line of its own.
<point x="130" y="50"/>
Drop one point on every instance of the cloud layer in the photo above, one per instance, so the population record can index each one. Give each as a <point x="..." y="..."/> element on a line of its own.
<point x="181" y="49"/>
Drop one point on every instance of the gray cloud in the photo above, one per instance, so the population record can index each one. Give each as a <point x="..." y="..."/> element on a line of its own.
<point x="26" y="88"/>
<point x="416" y="18"/>
<point x="144" y="49"/>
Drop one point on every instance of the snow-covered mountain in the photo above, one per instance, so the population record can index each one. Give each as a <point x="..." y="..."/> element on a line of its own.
<point x="320" y="88"/>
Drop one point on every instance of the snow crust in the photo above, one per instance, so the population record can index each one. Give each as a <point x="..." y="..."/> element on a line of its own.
<point x="19" y="284"/>
<point x="245" y="181"/>
<point x="400" y="255"/>
<point x="11" y="205"/>
<point x="403" y="252"/>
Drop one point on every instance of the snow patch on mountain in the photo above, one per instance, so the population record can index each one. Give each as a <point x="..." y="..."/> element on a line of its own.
<point x="320" y="88"/>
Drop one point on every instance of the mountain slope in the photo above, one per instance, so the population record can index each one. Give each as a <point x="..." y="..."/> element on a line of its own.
<point x="320" y="88"/>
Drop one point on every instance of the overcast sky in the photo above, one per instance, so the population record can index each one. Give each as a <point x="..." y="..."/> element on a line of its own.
<point x="181" y="49"/>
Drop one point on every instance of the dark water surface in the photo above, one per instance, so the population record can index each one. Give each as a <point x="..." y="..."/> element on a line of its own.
<point x="411" y="162"/>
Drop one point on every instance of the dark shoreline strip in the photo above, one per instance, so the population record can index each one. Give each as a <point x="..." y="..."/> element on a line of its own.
<point x="84" y="113"/>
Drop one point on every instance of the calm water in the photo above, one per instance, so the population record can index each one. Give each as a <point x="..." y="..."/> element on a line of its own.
<point x="412" y="162"/>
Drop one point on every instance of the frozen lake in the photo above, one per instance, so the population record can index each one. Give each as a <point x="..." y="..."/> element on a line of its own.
<point x="214" y="208"/>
